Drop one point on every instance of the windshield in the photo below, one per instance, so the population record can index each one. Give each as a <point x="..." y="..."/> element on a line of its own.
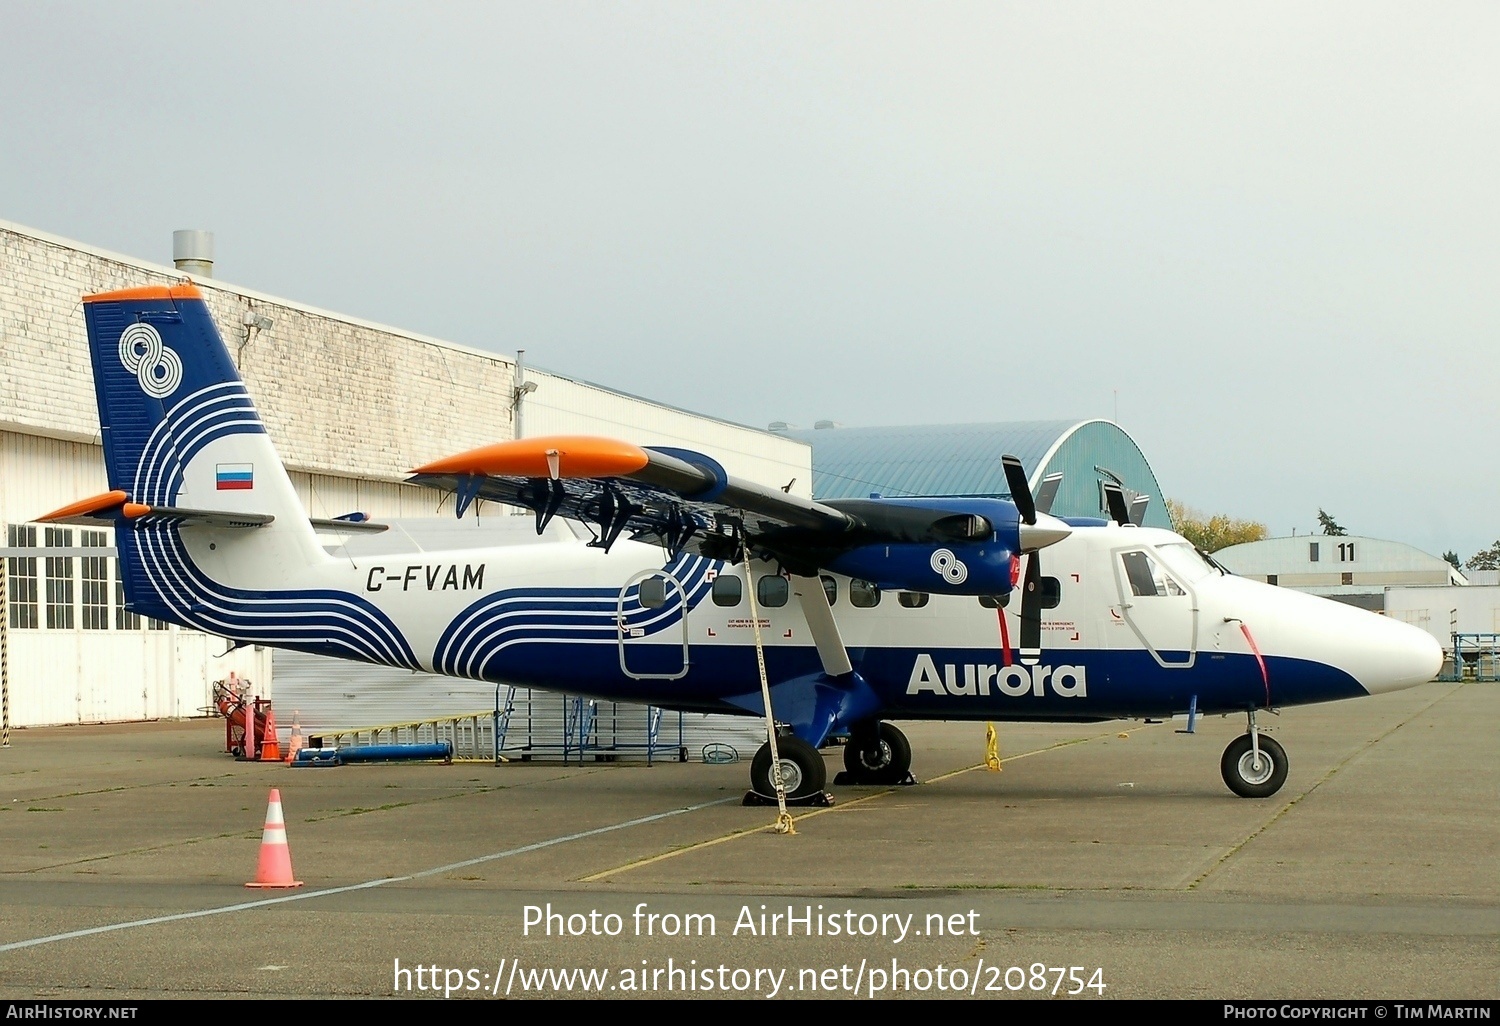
<point x="1183" y="560"/>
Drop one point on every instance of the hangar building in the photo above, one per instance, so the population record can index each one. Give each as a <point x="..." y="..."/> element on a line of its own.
<point x="1350" y="569"/>
<point x="964" y="460"/>
<point x="350" y="405"/>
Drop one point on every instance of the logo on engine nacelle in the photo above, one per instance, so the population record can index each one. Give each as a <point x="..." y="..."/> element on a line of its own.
<point x="950" y="566"/>
<point x="976" y="678"/>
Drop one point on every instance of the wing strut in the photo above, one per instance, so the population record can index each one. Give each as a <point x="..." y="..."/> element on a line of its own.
<point x="825" y="629"/>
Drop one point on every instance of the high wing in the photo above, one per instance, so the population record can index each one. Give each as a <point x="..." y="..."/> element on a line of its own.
<point x="684" y="500"/>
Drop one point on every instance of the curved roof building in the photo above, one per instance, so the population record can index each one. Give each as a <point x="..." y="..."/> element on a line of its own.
<point x="964" y="459"/>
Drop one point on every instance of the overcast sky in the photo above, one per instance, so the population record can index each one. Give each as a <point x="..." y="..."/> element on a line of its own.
<point x="1273" y="230"/>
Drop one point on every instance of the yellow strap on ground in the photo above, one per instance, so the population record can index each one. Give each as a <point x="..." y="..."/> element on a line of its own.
<point x="991" y="748"/>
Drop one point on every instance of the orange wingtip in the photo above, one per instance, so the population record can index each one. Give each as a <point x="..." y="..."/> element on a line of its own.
<point x="185" y="290"/>
<point x="83" y="507"/>
<point x="574" y="456"/>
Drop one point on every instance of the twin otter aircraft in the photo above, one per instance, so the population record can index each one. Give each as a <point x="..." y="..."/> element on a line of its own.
<point x="868" y="610"/>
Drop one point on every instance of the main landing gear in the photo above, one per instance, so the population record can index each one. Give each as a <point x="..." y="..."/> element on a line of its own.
<point x="803" y="772"/>
<point x="1254" y="766"/>
<point x="877" y="753"/>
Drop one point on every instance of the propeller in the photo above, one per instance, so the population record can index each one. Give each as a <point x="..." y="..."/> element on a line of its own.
<point x="1037" y="532"/>
<point x="1114" y="498"/>
<point x="1048" y="492"/>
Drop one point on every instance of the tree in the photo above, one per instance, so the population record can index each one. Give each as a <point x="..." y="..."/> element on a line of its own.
<point x="1212" y="533"/>
<point x="1453" y="560"/>
<point x="1486" y="559"/>
<point x="1330" y="526"/>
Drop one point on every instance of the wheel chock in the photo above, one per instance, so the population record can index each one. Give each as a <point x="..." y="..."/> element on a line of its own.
<point x="816" y="800"/>
<point x="847" y="779"/>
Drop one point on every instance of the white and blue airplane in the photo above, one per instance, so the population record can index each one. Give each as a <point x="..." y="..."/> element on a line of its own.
<point x="865" y="611"/>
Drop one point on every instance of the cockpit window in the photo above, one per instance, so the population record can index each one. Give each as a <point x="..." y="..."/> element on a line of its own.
<point x="1184" y="561"/>
<point x="1146" y="576"/>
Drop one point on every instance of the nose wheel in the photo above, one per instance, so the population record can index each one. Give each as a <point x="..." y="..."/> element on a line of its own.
<point x="1254" y="767"/>
<point x="876" y="754"/>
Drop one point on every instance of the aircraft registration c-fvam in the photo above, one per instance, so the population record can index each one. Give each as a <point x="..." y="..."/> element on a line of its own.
<point x="870" y="610"/>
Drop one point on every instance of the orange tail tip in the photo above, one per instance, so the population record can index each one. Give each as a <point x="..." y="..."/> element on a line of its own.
<point x="184" y="290"/>
<point x="575" y="456"/>
<point x="275" y="867"/>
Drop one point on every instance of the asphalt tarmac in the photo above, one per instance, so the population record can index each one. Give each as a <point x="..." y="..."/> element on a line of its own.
<point x="1106" y="860"/>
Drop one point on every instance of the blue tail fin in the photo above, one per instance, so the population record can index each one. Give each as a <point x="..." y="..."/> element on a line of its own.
<point x="180" y="431"/>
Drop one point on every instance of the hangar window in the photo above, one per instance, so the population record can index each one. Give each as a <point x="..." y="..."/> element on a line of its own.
<point x="1146" y="576"/>
<point x="1347" y="579"/>
<point x="831" y="589"/>
<point x="95" y="583"/>
<point x="1312" y="552"/>
<point x="863" y="595"/>
<point x="22" y="579"/>
<point x="1272" y="578"/>
<point x="59" y="580"/>
<point x="772" y="590"/>
<point x="995" y="601"/>
<point x="913" y="599"/>
<point x="728" y="590"/>
<point x="654" y="592"/>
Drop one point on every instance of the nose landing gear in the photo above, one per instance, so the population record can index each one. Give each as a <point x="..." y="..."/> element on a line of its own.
<point x="1254" y="766"/>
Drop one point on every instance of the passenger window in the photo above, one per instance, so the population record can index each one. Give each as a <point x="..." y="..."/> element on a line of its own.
<point x="1147" y="578"/>
<point x="1049" y="592"/>
<point x="995" y="601"/>
<point x="728" y="590"/>
<point x="913" y="599"/>
<point x="654" y="592"/>
<point x="863" y="595"/>
<point x="772" y="591"/>
<point x="831" y="589"/>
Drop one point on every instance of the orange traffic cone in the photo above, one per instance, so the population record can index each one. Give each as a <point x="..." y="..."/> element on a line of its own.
<point x="270" y="746"/>
<point x="294" y="743"/>
<point x="275" y="868"/>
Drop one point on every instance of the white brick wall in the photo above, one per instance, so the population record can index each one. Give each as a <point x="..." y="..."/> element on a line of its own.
<point x="339" y="396"/>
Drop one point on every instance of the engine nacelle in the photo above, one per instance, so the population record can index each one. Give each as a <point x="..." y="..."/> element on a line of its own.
<point x="973" y="568"/>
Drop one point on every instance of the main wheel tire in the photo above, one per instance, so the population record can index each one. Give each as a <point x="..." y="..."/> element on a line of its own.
<point x="878" y="756"/>
<point x="803" y="771"/>
<point x="1244" y="777"/>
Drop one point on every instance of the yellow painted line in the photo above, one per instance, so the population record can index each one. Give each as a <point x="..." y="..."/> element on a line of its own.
<point x="736" y="835"/>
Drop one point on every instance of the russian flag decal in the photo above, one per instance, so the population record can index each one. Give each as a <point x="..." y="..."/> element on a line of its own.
<point x="230" y="477"/>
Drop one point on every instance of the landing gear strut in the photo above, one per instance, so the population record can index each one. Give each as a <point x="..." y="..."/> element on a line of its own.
<point x="877" y="753"/>
<point x="1254" y="766"/>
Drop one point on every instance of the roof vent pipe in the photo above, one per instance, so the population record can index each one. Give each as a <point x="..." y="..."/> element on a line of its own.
<point x="193" y="252"/>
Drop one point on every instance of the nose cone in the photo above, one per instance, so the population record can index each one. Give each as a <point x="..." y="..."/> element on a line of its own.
<point x="1380" y="653"/>
<point x="1404" y="658"/>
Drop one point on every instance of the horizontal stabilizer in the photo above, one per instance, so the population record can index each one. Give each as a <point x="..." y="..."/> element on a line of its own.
<point x="341" y="524"/>
<point x="113" y="508"/>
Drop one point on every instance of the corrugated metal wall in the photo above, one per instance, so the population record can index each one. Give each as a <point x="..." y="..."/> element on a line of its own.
<point x="328" y="695"/>
<point x="79" y="676"/>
